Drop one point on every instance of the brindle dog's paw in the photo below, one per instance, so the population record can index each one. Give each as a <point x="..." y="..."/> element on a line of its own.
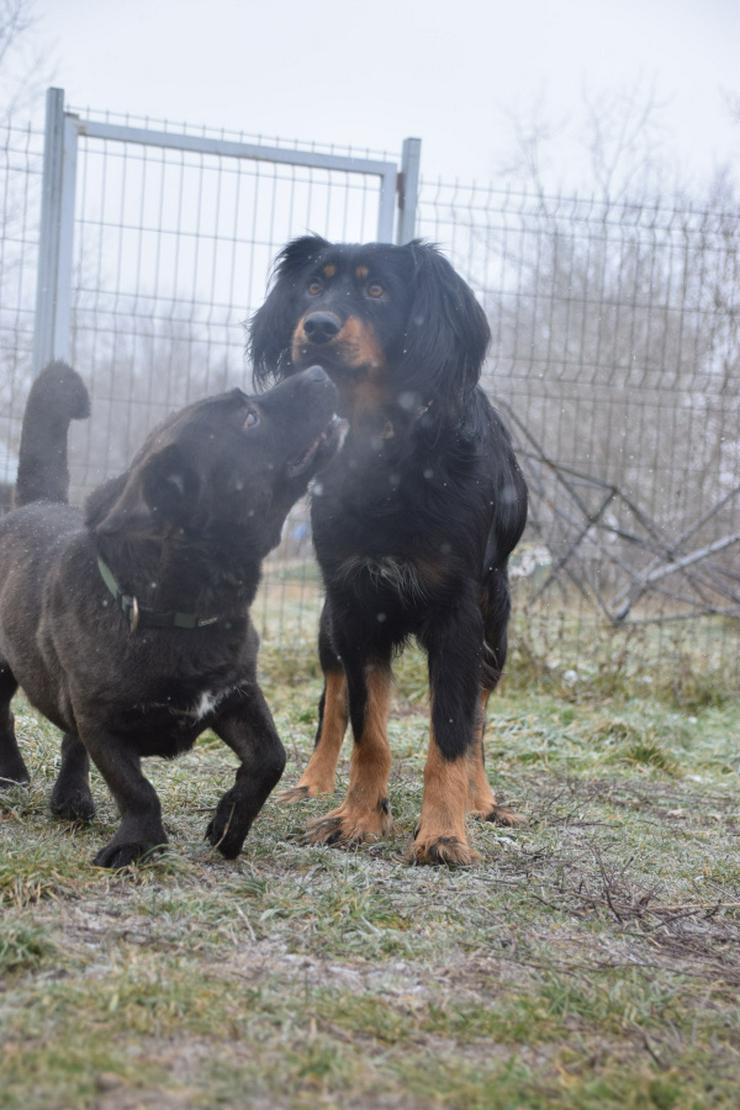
<point x="15" y="774"/>
<point x="116" y="856"/>
<point x="448" y="850"/>
<point x="225" y="831"/>
<point x="77" y="806"/>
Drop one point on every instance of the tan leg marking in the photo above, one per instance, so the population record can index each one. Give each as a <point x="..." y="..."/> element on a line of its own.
<point x="441" y="836"/>
<point x="364" y="813"/>
<point x="299" y="341"/>
<point x="481" y="798"/>
<point x="320" y="774"/>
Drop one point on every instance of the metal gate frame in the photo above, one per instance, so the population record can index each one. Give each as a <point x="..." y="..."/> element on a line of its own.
<point x="52" y="324"/>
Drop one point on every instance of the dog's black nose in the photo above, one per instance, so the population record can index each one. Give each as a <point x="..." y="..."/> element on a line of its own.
<point x="320" y="327"/>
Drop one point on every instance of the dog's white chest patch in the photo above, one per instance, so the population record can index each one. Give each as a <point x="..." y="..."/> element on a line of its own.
<point x="207" y="701"/>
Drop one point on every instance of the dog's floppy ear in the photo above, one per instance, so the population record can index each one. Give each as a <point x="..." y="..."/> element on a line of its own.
<point x="447" y="332"/>
<point x="271" y="327"/>
<point x="170" y="486"/>
<point x="164" y="488"/>
<point x="102" y="499"/>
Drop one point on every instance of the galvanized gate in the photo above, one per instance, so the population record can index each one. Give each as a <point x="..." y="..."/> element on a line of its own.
<point x="396" y="213"/>
<point x="155" y="245"/>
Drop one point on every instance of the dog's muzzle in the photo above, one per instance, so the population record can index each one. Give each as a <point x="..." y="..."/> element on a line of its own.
<point x="321" y="327"/>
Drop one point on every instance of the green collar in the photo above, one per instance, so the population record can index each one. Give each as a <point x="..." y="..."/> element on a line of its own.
<point x="139" y="617"/>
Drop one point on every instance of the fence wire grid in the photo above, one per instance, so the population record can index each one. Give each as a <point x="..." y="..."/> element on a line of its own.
<point x="615" y="360"/>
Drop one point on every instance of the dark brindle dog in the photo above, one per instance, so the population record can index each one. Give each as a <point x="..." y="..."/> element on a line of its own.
<point x="129" y="628"/>
<point x="413" y="524"/>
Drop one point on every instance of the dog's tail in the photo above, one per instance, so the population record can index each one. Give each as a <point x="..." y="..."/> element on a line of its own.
<point x="58" y="396"/>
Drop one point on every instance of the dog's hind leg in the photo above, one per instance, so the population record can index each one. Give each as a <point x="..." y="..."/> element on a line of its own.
<point x="12" y="768"/>
<point x="71" y="799"/>
<point x="319" y="776"/>
<point x="249" y="731"/>
<point x="495" y="608"/>
<point x="481" y="798"/>
<point x="141" y="830"/>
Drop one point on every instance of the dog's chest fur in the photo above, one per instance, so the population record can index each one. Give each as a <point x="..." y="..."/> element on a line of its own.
<point x="198" y="708"/>
<point x="392" y="573"/>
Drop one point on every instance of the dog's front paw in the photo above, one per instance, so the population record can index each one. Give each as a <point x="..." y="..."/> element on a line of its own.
<point x="309" y="786"/>
<point x="226" y="830"/>
<point x="448" y="850"/>
<point x="502" y="815"/>
<point x="77" y="806"/>
<point x="13" y="773"/>
<point x="294" y="794"/>
<point x="350" y="826"/>
<point x="116" y="856"/>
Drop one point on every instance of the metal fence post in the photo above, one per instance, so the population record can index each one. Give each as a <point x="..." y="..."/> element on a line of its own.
<point x="408" y="190"/>
<point x="51" y="337"/>
<point x="387" y="205"/>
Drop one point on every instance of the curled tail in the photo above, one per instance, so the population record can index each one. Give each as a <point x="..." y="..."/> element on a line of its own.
<point x="58" y="395"/>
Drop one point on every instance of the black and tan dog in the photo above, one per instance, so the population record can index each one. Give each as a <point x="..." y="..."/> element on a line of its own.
<point x="128" y="627"/>
<point x="416" y="518"/>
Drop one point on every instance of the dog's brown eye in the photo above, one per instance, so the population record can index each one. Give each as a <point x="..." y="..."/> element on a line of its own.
<point x="375" y="289"/>
<point x="252" y="419"/>
<point x="314" y="288"/>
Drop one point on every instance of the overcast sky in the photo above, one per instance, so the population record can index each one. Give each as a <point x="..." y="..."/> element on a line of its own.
<point x="449" y="71"/>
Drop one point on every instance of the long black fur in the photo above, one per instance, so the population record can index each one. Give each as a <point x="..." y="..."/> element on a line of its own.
<point x="420" y="510"/>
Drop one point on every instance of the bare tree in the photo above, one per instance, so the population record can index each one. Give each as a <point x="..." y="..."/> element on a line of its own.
<point x="145" y="367"/>
<point x="614" y="147"/>
<point x="616" y="317"/>
<point x="24" y="67"/>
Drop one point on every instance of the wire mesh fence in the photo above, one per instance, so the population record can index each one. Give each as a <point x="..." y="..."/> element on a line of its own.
<point x="172" y="252"/>
<point x="615" y="358"/>
<point x="21" y="150"/>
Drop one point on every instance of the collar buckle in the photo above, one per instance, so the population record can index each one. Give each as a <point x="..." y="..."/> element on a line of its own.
<point x="148" y="618"/>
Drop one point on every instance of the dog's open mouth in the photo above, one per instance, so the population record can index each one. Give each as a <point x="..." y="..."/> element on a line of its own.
<point x="321" y="449"/>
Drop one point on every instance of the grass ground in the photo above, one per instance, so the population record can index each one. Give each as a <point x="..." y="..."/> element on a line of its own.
<point x="588" y="962"/>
